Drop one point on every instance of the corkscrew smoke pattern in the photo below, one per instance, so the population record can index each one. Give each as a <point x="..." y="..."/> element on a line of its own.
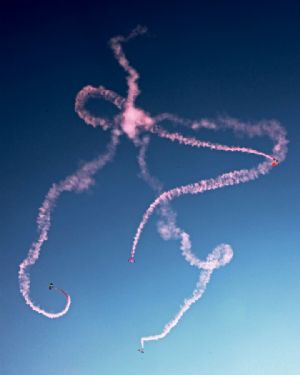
<point x="133" y="122"/>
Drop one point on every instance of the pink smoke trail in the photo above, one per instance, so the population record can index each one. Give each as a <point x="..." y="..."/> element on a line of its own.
<point x="193" y="142"/>
<point x="168" y="229"/>
<point x="79" y="181"/>
<point x="231" y="178"/>
<point x="223" y="253"/>
<point x="82" y="179"/>
<point x="132" y="117"/>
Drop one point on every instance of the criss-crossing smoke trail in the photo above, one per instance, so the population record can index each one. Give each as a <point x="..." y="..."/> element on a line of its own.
<point x="133" y="122"/>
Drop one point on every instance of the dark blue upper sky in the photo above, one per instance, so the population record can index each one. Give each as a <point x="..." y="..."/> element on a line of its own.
<point x="198" y="60"/>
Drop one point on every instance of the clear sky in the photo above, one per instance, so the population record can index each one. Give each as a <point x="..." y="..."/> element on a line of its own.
<point x="196" y="61"/>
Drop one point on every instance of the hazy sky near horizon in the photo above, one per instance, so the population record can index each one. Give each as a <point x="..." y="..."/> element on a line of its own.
<point x="197" y="61"/>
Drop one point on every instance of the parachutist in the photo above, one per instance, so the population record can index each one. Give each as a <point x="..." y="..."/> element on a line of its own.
<point x="141" y="350"/>
<point x="51" y="286"/>
<point x="275" y="162"/>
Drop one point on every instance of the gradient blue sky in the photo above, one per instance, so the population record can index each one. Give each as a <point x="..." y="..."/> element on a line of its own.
<point x="198" y="61"/>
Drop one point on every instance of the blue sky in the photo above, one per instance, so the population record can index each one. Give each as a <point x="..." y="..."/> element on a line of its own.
<point x="197" y="61"/>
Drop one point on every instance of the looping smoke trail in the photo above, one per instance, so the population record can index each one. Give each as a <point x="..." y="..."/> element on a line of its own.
<point x="132" y="121"/>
